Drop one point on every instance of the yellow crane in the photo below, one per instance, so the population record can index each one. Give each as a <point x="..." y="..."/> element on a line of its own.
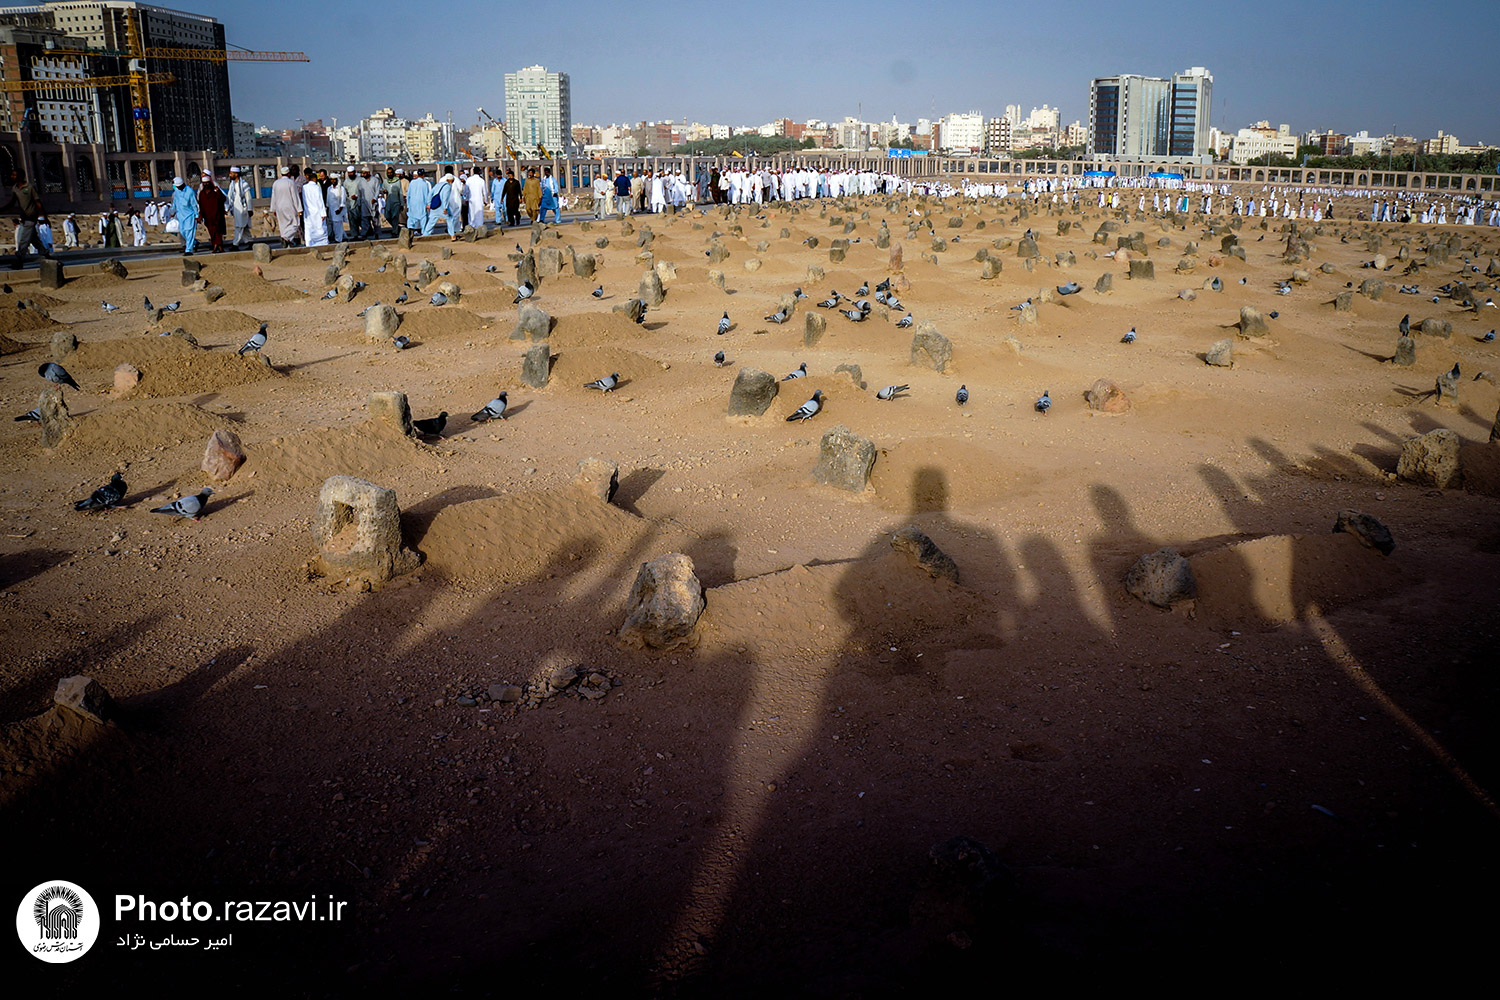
<point x="86" y="82"/>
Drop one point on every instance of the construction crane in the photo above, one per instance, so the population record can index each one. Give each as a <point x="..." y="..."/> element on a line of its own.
<point x="87" y="82"/>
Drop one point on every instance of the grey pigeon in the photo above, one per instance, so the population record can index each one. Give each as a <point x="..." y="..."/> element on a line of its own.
<point x="853" y="315"/>
<point x="380" y="269"/>
<point x="30" y="417"/>
<point x="1454" y="373"/>
<point x="884" y="286"/>
<point x="809" y="409"/>
<point x="56" y="373"/>
<point x="1129" y="337"/>
<point x="493" y="410"/>
<point x="191" y="507"/>
<point x="109" y="307"/>
<point x="491" y="269"/>
<point x="256" y="341"/>
<point x="438" y="299"/>
<point x="864" y="289"/>
<point x="1023" y="305"/>
<point x="598" y="293"/>
<point x="172" y="307"/>
<point x="801" y="371"/>
<point x="962" y="395"/>
<point x="799" y="294"/>
<point x="718" y="360"/>
<point x="904" y="322"/>
<point x="331" y="293"/>
<point x="830" y="302"/>
<point x="365" y="311"/>
<point x="1487" y="338"/>
<point x="1406" y="325"/>
<point x="402" y="342"/>
<point x="524" y="292"/>
<point x="432" y="426"/>
<point x="401" y="298"/>
<point x="1071" y="288"/>
<point x="724" y="323"/>
<point x="779" y="316"/>
<point x="105" y="496"/>
<point x="147" y="300"/>
<point x="605" y="384"/>
<point x="894" y="303"/>
<point x="891" y="391"/>
<point x="1045" y="403"/>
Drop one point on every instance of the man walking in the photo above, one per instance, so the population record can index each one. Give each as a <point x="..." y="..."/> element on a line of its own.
<point x="211" y="208"/>
<point x="418" y="198"/>
<point x="286" y="204"/>
<point x="369" y="207"/>
<point x="185" y="211"/>
<point x="395" y="200"/>
<point x="622" y="193"/>
<point x="241" y="206"/>
<point x="27" y="206"/>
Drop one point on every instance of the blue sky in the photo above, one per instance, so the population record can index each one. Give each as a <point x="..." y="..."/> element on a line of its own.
<point x="1417" y="66"/>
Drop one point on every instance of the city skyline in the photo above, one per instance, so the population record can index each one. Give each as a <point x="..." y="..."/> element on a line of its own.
<point x="1339" y="67"/>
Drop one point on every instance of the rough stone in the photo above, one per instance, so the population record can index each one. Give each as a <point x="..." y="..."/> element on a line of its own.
<point x="382" y="322"/>
<point x="1344" y="301"/>
<point x="813" y="328"/>
<point x="1238" y="253"/>
<point x="532" y="323"/>
<point x="358" y="532"/>
<point x="1106" y="283"/>
<point x="836" y="254"/>
<point x="599" y="477"/>
<point x="536" y="365"/>
<point x="1406" y="352"/>
<point x="549" y="262"/>
<point x="1066" y="259"/>
<point x="1431" y="327"/>
<point x="1437" y="253"/>
<point x="844" y="460"/>
<point x="451" y="291"/>
<point x="127" y="377"/>
<point x="1300" y="276"/>
<point x="931" y="349"/>
<point x="1142" y="270"/>
<point x="1221" y="354"/>
<point x="347" y="287"/>
<point x="991" y="268"/>
<point x="63" y="344"/>
<point x="1162" y="578"/>
<point x="753" y="264"/>
<point x="718" y="253"/>
<point x="114" y="266"/>
<point x="330" y="275"/>
<point x="923" y="552"/>
<point x="1431" y="460"/>
<point x="665" y="604"/>
<point x="1446" y="389"/>
<point x="1105" y="396"/>
<point x="222" y="455"/>
<point x="50" y="274"/>
<point x="753" y="392"/>
<point x="86" y="697"/>
<point x="1026" y="315"/>
<point x="634" y="308"/>
<point x="213" y="293"/>
<point x="391" y="409"/>
<point x="263" y="253"/>
<point x="895" y="259"/>
<point x="56" y="424"/>
<point x="1367" y="529"/>
<point x="650" y="290"/>
<point x="1372" y="288"/>
<point x="666" y="270"/>
<point x="1187" y="294"/>
<point x="403" y="239"/>
<point x="1252" y="323"/>
<point x="855" y="373"/>
<point x="584" y="264"/>
<point x="716" y="278"/>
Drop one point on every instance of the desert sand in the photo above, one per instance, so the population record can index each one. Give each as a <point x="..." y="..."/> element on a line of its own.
<point x="1298" y="764"/>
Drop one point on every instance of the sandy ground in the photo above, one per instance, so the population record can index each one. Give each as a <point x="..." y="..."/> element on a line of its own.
<point x="1300" y="764"/>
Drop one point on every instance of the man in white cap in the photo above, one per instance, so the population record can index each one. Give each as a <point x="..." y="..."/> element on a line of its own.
<point x="241" y="206"/>
<point x="449" y="200"/>
<point x="475" y="193"/>
<point x="286" y="203"/>
<point x="314" y="214"/>
<point x="418" y="198"/>
<point x="355" y="222"/>
<point x="185" y="211"/>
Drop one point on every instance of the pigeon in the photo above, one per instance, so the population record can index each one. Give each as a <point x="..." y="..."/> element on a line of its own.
<point x="1434" y="300"/>
<point x="891" y="391"/>
<point x="109" y="307"/>
<point x="56" y="373"/>
<point x="524" y="292"/>
<point x="1023" y="305"/>
<point x="519" y="250"/>
<point x="331" y="293"/>
<point x="402" y="342"/>
<point x="801" y="371"/>
<point x="1283" y="289"/>
<point x="381" y="269"/>
<point x="1487" y="338"/>
<point x="105" y="496"/>
<point x="962" y="395"/>
<point x="799" y="294"/>
<point x="1454" y="373"/>
<point x="432" y="426"/>
<point x="1071" y="288"/>
<point x="605" y="384"/>
<point x="831" y="302"/>
<point x="807" y="241"/>
<point x="641" y="319"/>
<point x="884" y="286"/>
<point x="493" y="410"/>
<point x="491" y="269"/>
<point x="864" y="289"/>
<point x="1406" y="325"/>
<point x="172" y="307"/>
<point x="904" y="322"/>
<point x="894" y="303"/>
<point x="1045" y="403"/>
<point x="1274" y="314"/>
<point x="779" y="316"/>
<point x="724" y="323"/>
<point x="438" y="299"/>
<point x="718" y="359"/>
<point x="256" y="341"/>
<point x="1242" y="281"/>
<point x="147" y="300"/>
<point x="190" y="507"/>
<point x="401" y="298"/>
<point x="880" y="297"/>
<point x="863" y="305"/>
<point x="598" y="293"/>
<point x="30" y="417"/>
<point x="365" y="311"/>
<point x="809" y="409"/>
<point x="1129" y="337"/>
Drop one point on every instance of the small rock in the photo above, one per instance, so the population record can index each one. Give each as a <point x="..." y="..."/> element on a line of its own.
<point x="666" y="602"/>
<point x="86" y="697"/>
<point x="753" y="393"/>
<point x="56" y="424"/>
<point x="63" y="344"/>
<point x="262" y="253"/>
<point x="381" y="322"/>
<point x="536" y="365"/>
<point x="532" y="323"/>
<point x="1344" y="301"/>
<point x="1162" y="578"/>
<point x="813" y="327"/>
<point x="51" y="273"/>
<point x="1104" y="396"/>
<point x="1142" y="270"/>
<point x="1406" y="352"/>
<point x="1221" y="354"/>
<point x="390" y="409"/>
<point x="1252" y="323"/>
<point x="223" y="455"/>
<point x="358" y="531"/>
<point x="1106" y="283"/>
<point x="127" y="377"/>
<point x="931" y="349"/>
<point x="1372" y="288"/>
<point x="599" y="477"/>
<point x="1431" y="459"/>
<point x="1369" y="531"/>
<point x="844" y="460"/>
<point x="113" y="266"/>
<point x="650" y="290"/>
<point x="923" y="552"/>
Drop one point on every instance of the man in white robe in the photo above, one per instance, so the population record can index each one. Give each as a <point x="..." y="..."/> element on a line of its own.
<point x="240" y="201"/>
<point x="287" y="207"/>
<point x="336" y="202"/>
<point x="474" y="193"/>
<point x="314" y="215"/>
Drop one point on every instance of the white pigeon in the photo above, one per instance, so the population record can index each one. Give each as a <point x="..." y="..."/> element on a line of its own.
<point x="256" y="342"/>
<point x="190" y="507"/>
<point x="809" y="409"/>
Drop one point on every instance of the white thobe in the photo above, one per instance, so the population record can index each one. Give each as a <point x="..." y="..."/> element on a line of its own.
<point x="314" y="215"/>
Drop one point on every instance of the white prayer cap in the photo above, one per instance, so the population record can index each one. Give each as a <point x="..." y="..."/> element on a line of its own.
<point x="178" y="181"/>
<point x="449" y="176"/>
<point x="234" y="170"/>
<point x="286" y="171"/>
<point x="350" y="170"/>
<point x="400" y="172"/>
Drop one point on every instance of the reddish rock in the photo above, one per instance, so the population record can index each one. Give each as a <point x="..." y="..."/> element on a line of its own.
<point x="1106" y="397"/>
<point x="223" y="455"/>
<point x="127" y="376"/>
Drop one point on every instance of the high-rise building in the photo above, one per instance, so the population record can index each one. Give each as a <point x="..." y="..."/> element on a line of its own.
<point x="1147" y="116"/>
<point x="539" y="108"/>
<point x="382" y="136"/>
<point x="244" y="138"/>
<point x="997" y="135"/>
<point x="192" y="112"/>
<point x="961" y="132"/>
